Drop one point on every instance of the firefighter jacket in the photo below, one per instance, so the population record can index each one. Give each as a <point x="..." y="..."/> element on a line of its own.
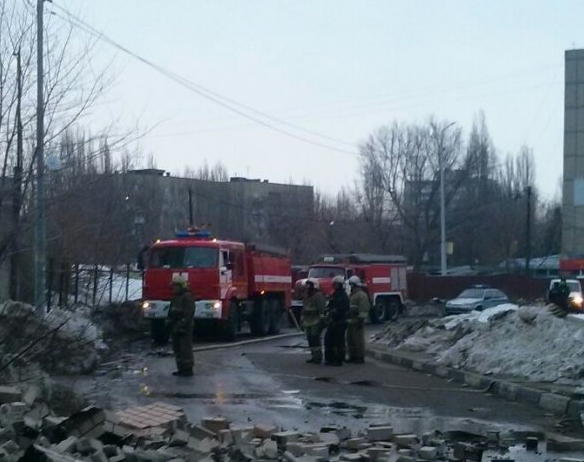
<point x="313" y="310"/>
<point x="359" y="308"/>
<point x="181" y="313"/>
<point x="338" y="308"/>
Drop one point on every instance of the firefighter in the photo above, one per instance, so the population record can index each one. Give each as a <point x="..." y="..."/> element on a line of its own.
<point x="312" y="319"/>
<point x="336" y="324"/>
<point x="180" y="323"/>
<point x="358" y="312"/>
<point x="559" y="296"/>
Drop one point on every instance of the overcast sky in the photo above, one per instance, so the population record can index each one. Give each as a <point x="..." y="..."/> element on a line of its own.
<point x="337" y="68"/>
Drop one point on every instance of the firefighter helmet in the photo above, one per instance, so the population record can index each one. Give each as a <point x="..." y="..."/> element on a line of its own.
<point x="355" y="281"/>
<point x="338" y="280"/>
<point x="313" y="282"/>
<point x="179" y="280"/>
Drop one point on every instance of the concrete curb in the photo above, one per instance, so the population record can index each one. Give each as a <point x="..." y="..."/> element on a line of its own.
<point x="556" y="403"/>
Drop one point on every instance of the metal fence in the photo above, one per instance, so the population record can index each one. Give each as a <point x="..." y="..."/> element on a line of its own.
<point x="92" y="285"/>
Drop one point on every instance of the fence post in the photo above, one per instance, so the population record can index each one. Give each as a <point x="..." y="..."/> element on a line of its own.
<point x="95" y="277"/>
<point x="76" y="283"/>
<point x="111" y="284"/>
<point x="127" y="282"/>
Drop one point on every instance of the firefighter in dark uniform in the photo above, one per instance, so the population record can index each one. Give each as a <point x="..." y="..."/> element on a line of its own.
<point x="180" y="323"/>
<point x="312" y="319"/>
<point x="358" y="312"/>
<point x="336" y="324"/>
<point x="559" y="296"/>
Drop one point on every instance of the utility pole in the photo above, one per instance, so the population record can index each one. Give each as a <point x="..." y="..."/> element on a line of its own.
<point x="40" y="251"/>
<point x="191" y="224"/>
<point x="528" y="231"/>
<point x="443" y="270"/>
<point x="17" y="199"/>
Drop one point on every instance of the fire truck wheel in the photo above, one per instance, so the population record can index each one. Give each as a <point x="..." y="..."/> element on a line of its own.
<point x="159" y="332"/>
<point x="231" y="327"/>
<point x="276" y="312"/>
<point x="377" y="312"/>
<point x="392" y="310"/>
<point x="260" y="322"/>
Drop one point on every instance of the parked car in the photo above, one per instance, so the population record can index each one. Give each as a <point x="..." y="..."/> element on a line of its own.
<point x="477" y="297"/>
<point x="575" y="299"/>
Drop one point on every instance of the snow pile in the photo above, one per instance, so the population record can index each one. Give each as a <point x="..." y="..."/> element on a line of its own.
<point x="61" y="341"/>
<point x="528" y="343"/>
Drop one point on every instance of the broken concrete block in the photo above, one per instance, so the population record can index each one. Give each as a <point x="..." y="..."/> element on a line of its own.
<point x="561" y="443"/>
<point x="571" y="459"/>
<point x="215" y="424"/>
<point x="84" y="446"/>
<point x="377" y="452"/>
<point x="343" y="433"/>
<point x="242" y="434"/>
<point x="405" y="459"/>
<point x="328" y="438"/>
<point x="315" y="449"/>
<point x="295" y="448"/>
<point x="9" y="394"/>
<point x="12" y="413"/>
<point x="31" y="394"/>
<point x="283" y="438"/>
<point x="204" y="446"/>
<point x="111" y="450"/>
<point x="53" y="421"/>
<point x="467" y="451"/>
<point x="379" y="433"/>
<point x="118" y="458"/>
<point x="357" y="457"/>
<point x="264" y="430"/>
<point x="355" y="443"/>
<point x="405" y="440"/>
<point x="99" y="456"/>
<point x="427" y="453"/>
<point x="179" y="438"/>
<point x="225" y="436"/>
<point x="267" y="450"/>
<point x="67" y="445"/>
<point x="201" y="433"/>
<point x="531" y="443"/>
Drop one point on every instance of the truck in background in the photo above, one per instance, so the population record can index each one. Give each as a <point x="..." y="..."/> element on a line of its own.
<point x="384" y="277"/>
<point x="233" y="283"/>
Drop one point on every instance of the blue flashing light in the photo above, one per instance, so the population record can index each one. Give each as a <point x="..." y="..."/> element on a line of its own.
<point x="200" y="234"/>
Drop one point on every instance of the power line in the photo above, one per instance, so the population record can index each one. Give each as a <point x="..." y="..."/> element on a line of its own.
<point x="210" y="95"/>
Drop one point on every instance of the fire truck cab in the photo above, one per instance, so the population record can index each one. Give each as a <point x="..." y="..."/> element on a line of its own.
<point x="384" y="277"/>
<point x="231" y="283"/>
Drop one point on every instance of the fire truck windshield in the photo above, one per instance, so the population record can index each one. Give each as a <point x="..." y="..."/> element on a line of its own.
<point x="183" y="257"/>
<point x="321" y="272"/>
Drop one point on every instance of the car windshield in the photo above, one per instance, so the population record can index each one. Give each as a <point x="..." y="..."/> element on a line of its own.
<point x="574" y="286"/>
<point x="325" y="272"/>
<point x="183" y="257"/>
<point x="472" y="293"/>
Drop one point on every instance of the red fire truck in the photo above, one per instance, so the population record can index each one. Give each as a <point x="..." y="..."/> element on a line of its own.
<point x="231" y="282"/>
<point x="383" y="275"/>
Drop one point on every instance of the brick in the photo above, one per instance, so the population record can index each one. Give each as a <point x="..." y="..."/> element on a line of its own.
<point x="379" y="433"/>
<point x="215" y="424"/>
<point x="352" y="457"/>
<point x="355" y="443"/>
<point x="283" y="438"/>
<point x="427" y="453"/>
<point x="316" y="449"/>
<point x="378" y="452"/>
<point x="264" y="430"/>
<point x="9" y="394"/>
<point x="405" y="440"/>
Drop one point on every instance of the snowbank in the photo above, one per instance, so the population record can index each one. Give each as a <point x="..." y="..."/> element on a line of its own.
<point x="64" y="342"/>
<point x="526" y="342"/>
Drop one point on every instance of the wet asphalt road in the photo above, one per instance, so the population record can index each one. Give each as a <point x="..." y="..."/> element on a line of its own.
<point x="270" y="382"/>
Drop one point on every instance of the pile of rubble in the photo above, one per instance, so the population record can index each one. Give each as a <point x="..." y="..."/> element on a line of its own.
<point x="60" y="342"/>
<point x="160" y="432"/>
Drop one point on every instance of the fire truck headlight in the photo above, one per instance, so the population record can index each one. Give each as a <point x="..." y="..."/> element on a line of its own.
<point x="577" y="300"/>
<point x="145" y="305"/>
<point x="217" y="305"/>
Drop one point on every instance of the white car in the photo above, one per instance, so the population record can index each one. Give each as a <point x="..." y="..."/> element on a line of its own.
<point x="477" y="297"/>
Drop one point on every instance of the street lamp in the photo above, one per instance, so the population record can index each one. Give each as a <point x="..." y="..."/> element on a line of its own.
<point x="442" y="201"/>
